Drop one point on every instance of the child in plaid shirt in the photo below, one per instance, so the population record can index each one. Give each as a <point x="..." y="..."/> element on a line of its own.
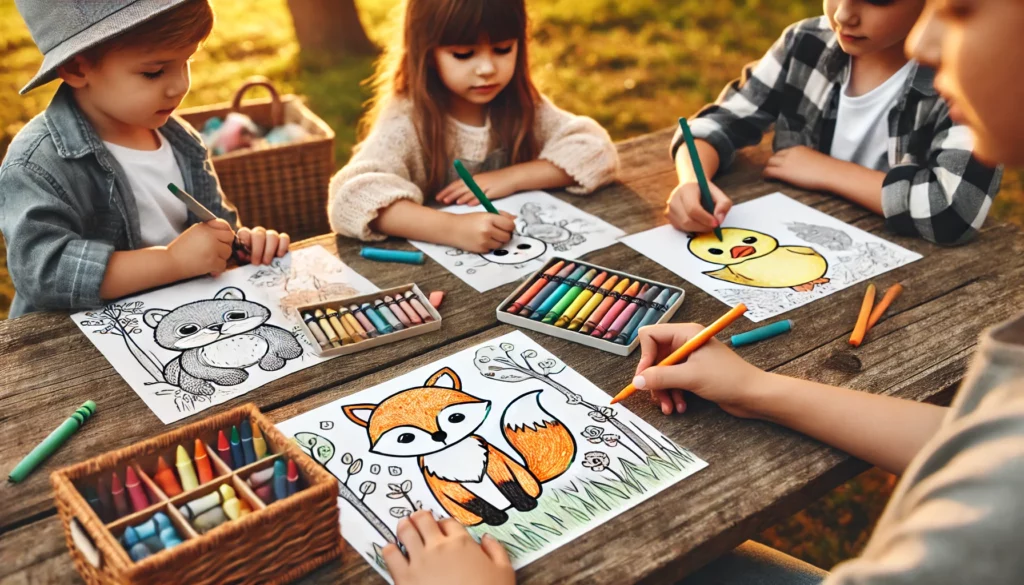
<point x="853" y="116"/>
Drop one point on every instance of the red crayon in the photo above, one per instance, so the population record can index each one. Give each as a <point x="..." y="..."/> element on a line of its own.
<point x="613" y="321"/>
<point x="265" y="492"/>
<point x="117" y="492"/>
<point x="135" y="491"/>
<point x="293" y="477"/>
<point x="202" y="462"/>
<point x="224" y="449"/>
<point x="531" y="292"/>
<point x="606" y="304"/>
<point x="409" y="311"/>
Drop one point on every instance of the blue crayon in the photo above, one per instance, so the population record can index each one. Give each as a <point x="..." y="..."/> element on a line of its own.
<point x="280" y="480"/>
<point x="138" y="551"/>
<point x="559" y="292"/>
<point x="381" y="255"/>
<point x="388" y="315"/>
<point x="130" y="537"/>
<point x="247" y="449"/>
<point x="661" y="305"/>
<point x="169" y="537"/>
<point x="549" y="288"/>
<point x="375" y="318"/>
<point x="762" y="333"/>
<point x="236" y="448"/>
<point x="149" y="528"/>
<point x="634" y="321"/>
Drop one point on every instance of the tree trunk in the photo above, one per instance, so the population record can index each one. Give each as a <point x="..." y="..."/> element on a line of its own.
<point x="329" y="26"/>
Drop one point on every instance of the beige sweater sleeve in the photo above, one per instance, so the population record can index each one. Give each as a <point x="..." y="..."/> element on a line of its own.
<point x="386" y="167"/>
<point x="578" y="145"/>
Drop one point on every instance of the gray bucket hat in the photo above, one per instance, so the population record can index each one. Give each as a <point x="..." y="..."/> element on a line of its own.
<point x="65" y="28"/>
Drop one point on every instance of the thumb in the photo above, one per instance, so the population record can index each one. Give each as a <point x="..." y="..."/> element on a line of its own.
<point x="664" y="378"/>
<point x="495" y="551"/>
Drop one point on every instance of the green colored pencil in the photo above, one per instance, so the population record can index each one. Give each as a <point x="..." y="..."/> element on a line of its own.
<point x="468" y="180"/>
<point x="52" y="442"/>
<point x="698" y="169"/>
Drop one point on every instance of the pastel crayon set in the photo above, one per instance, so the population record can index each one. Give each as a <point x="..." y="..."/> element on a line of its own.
<point x="157" y="512"/>
<point x="589" y="304"/>
<point x="351" y="324"/>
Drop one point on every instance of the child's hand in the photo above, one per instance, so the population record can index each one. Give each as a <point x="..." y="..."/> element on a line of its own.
<point x="482" y="232"/>
<point x="494" y="184"/>
<point x="685" y="212"/>
<point x="443" y="553"/>
<point x="713" y="372"/>
<point x="204" y="248"/>
<point x="799" y="166"/>
<point x="264" y="245"/>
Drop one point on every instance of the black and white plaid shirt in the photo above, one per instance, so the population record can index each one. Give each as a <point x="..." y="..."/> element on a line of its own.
<point x="934" y="189"/>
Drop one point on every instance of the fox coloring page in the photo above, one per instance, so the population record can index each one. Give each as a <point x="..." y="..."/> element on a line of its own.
<point x="502" y="436"/>
<point x="545" y="226"/>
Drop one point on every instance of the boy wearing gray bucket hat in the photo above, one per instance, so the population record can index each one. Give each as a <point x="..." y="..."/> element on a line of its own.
<point x="84" y="205"/>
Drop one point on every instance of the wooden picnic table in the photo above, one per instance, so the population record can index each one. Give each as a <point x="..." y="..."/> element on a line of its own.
<point x="758" y="473"/>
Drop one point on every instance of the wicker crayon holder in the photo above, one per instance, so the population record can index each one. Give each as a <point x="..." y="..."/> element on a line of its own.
<point x="275" y="543"/>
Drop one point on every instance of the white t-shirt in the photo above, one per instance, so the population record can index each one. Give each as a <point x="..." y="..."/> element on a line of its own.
<point x="162" y="216"/>
<point x="862" y="122"/>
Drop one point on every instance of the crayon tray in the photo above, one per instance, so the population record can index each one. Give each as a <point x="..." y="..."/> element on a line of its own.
<point x="575" y="336"/>
<point x="276" y="542"/>
<point x="349" y="348"/>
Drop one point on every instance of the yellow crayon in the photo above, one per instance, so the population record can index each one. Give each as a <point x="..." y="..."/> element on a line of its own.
<point x="581" y="300"/>
<point x="259" y="444"/>
<point x="329" y="331"/>
<point x="343" y="332"/>
<point x="592" y="304"/>
<point x="186" y="472"/>
<point x="348" y="321"/>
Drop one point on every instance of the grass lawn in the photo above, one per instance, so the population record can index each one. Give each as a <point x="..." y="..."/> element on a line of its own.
<point x="633" y="65"/>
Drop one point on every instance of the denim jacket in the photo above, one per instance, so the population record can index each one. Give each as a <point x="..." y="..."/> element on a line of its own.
<point x="66" y="205"/>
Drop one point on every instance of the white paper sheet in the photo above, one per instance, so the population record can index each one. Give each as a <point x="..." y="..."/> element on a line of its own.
<point x="546" y="226"/>
<point x="264" y="346"/>
<point x="816" y="255"/>
<point x="510" y="390"/>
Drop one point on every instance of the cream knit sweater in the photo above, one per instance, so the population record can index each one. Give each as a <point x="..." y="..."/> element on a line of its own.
<point x="388" y="166"/>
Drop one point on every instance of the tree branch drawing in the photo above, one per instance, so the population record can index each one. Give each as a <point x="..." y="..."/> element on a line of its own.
<point x="498" y="364"/>
<point x="122" y="319"/>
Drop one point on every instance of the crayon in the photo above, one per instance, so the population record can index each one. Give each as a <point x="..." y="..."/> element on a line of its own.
<point x="293" y="478"/>
<point x="343" y="332"/>
<point x="203" y="467"/>
<point x="106" y="501"/>
<point x="625" y="300"/>
<point x="890" y="296"/>
<point x="265" y="492"/>
<point x="325" y="326"/>
<point x="117" y="492"/>
<point x="93" y="498"/>
<point x="378" y="321"/>
<point x="694" y="343"/>
<point x="364" y="321"/>
<point x="575" y="279"/>
<point x="151" y="527"/>
<point x="130" y="537"/>
<point x="236" y="448"/>
<point x="169" y="537"/>
<point x="232" y="505"/>
<point x="381" y="255"/>
<point x="477" y="191"/>
<point x="52" y="442"/>
<point x="385" y="312"/>
<point x="762" y="333"/>
<point x="351" y="325"/>
<point x="318" y="333"/>
<point x="632" y="305"/>
<point x="259" y="444"/>
<point x="418" y="307"/>
<point x="606" y="304"/>
<point x="581" y="299"/>
<point x="398" y="311"/>
<point x="280" y="480"/>
<point x="642" y="307"/>
<point x="861" y="328"/>
<point x="261" y="477"/>
<point x="572" y="294"/>
<point x="405" y="305"/>
<point x="247" y="451"/>
<point x="186" y="472"/>
<point x="136" y="494"/>
<point x="698" y="170"/>
<point x="209" y="520"/>
<point x="593" y="303"/>
<point x="657" y="308"/>
<point x="151" y="492"/>
<point x="204" y="214"/>
<point x="154" y="544"/>
<point x="138" y="552"/>
<point x="436" y="298"/>
<point x="224" y="450"/>
<point x="164" y="477"/>
<point x="531" y="292"/>
<point x="549" y="288"/>
<point x="199" y="505"/>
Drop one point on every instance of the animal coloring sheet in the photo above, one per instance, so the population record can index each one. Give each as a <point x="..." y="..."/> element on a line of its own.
<point x="545" y="226"/>
<point x="502" y="437"/>
<point x="189" y="346"/>
<point x="775" y="255"/>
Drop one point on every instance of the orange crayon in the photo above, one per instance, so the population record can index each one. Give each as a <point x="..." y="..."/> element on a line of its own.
<point x="164" y="477"/>
<point x="593" y="303"/>
<point x="535" y="288"/>
<point x="890" y="296"/>
<point x="605" y="306"/>
<point x="861" y="328"/>
<point x="203" y="467"/>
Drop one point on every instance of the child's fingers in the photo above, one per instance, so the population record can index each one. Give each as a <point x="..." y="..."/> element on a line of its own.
<point x="270" y="246"/>
<point x="722" y="204"/>
<point x="283" y="243"/>
<point x="396" y="562"/>
<point x="220" y="224"/>
<point x="244" y="236"/>
<point x="505" y="223"/>
<point x="258" y="241"/>
<point x="410" y="536"/>
<point x="696" y="213"/>
<point x="452" y="527"/>
<point x="447" y="192"/>
<point x="425" y="523"/>
<point x="495" y="551"/>
<point x="465" y="199"/>
<point x="664" y="401"/>
<point x="679" y="399"/>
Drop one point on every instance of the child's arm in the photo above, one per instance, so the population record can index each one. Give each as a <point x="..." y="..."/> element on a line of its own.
<point x="809" y="169"/>
<point x="528" y="176"/>
<point x="474" y="232"/>
<point x="882" y="430"/>
<point x="576" y="145"/>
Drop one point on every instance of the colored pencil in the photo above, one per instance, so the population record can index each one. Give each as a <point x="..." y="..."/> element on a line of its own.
<point x="468" y="180"/>
<point x="698" y="169"/>
<point x="890" y="296"/>
<point x="861" y="328"/>
<point x="204" y="215"/>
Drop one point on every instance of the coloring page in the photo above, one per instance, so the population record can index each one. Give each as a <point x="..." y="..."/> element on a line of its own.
<point x="775" y="255"/>
<point x="189" y="346"/>
<point x="502" y="437"/>
<point x="545" y="226"/>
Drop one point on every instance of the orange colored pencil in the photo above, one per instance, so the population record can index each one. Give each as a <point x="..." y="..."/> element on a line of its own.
<point x="861" y="329"/>
<point x="691" y="346"/>
<point x="890" y="296"/>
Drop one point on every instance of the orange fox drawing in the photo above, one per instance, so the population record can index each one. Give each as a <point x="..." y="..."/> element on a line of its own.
<point x="473" y="480"/>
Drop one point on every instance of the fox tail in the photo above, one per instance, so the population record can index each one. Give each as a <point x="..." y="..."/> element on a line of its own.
<point x="542" y="440"/>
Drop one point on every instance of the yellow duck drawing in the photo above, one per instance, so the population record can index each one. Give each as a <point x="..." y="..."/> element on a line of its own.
<point x="754" y="259"/>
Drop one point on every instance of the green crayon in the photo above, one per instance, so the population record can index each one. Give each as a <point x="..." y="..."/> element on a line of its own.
<point x="52" y="442"/>
<point x="570" y="296"/>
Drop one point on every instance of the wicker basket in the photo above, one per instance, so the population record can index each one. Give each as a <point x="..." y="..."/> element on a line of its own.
<point x="276" y="543"/>
<point x="281" y="187"/>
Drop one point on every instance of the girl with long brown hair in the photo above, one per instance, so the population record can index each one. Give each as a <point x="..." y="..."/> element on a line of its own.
<point x="456" y="85"/>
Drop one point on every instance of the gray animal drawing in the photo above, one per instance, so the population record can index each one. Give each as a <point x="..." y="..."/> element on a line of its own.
<point x="827" y="237"/>
<point x="219" y="339"/>
<point x="556" y="234"/>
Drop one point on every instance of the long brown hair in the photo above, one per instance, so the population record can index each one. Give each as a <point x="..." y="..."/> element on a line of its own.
<point x="407" y="70"/>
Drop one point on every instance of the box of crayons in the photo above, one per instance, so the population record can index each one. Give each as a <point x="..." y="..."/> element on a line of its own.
<point x="225" y="499"/>
<point x="589" y="304"/>
<point x="350" y="324"/>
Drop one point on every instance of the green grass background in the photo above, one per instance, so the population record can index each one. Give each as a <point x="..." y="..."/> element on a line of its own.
<point x="633" y="65"/>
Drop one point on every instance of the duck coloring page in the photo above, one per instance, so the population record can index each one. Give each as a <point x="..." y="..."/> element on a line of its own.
<point x="776" y="254"/>
<point x="545" y="226"/>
